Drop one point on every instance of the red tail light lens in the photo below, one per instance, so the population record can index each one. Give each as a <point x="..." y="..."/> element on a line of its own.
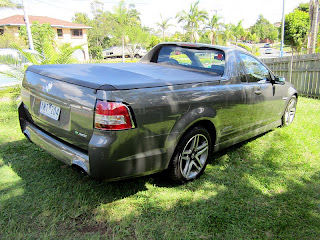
<point x="112" y="116"/>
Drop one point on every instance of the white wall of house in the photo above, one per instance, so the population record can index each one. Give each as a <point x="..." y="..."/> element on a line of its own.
<point x="74" y="40"/>
<point x="66" y="38"/>
<point x="14" y="30"/>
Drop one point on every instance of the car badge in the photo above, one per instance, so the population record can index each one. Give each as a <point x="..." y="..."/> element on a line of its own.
<point x="48" y="87"/>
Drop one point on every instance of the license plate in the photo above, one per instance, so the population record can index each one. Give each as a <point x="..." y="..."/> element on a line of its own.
<point x="50" y="110"/>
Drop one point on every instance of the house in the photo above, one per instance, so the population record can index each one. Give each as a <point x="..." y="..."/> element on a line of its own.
<point x="277" y="24"/>
<point x="66" y="32"/>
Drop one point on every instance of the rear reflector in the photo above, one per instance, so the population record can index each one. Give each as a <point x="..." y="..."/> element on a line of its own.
<point x="112" y="116"/>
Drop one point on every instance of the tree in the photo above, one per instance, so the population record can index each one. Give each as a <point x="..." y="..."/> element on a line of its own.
<point x="264" y="29"/>
<point x="125" y="19"/>
<point x="136" y="37"/>
<point x="81" y="18"/>
<point x="254" y="38"/>
<point x="237" y="31"/>
<point x="304" y="7"/>
<point x="214" y="26"/>
<point x="164" y="24"/>
<point x="153" y="41"/>
<point x="50" y="53"/>
<point x="40" y="34"/>
<point x="8" y="38"/>
<point x="133" y="14"/>
<point x="273" y="33"/>
<point x="227" y="33"/>
<point x="96" y="7"/>
<point x="98" y="35"/>
<point x="296" y="29"/>
<point x="193" y="18"/>
<point x="9" y="4"/>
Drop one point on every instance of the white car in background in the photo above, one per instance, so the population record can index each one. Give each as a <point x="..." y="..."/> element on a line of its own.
<point x="116" y="52"/>
<point x="268" y="51"/>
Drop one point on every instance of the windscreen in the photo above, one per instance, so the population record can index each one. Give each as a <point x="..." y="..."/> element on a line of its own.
<point x="211" y="60"/>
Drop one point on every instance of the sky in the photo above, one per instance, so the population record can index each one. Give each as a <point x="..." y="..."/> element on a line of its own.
<point x="231" y="11"/>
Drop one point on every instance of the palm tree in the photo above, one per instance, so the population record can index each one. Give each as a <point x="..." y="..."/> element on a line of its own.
<point x="123" y="17"/>
<point x="214" y="26"/>
<point x="164" y="24"/>
<point x="227" y="33"/>
<point x="8" y="4"/>
<point x="192" y="18"/>
<point x="50" y="54"/>
<point x="238" y="31"/>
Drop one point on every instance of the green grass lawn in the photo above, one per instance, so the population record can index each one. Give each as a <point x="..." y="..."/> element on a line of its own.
<point x="265" y="188"/>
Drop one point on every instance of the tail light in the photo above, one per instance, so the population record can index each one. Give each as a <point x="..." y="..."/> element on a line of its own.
<point x="112" y="116"/>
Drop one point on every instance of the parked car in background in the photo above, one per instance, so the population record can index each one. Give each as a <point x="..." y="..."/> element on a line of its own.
<point x="268" y="51"/>
<point x="171" y="111"/>
<point x="267" y="45"/>
<point x="129" y="51"/>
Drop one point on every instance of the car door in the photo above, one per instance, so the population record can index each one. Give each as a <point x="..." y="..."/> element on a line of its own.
<point x="265" y="96"/>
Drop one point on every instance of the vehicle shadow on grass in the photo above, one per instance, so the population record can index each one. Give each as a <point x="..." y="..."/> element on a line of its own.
<point x="242" y="195"/>
<point x="232" y="200"/>
<point x="37" y="184"/>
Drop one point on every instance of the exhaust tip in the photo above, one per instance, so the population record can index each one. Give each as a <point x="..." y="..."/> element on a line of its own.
<point x="79" y="169"/>
<point x="80" y="166"/>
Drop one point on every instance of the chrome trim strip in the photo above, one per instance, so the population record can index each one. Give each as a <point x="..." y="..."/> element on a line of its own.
<point x="56" y="148"/>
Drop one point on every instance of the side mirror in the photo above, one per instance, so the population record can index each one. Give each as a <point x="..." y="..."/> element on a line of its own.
<point x="278" y="80"/>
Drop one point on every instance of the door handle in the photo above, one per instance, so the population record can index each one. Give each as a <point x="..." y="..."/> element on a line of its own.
<point x="258" y="92"/>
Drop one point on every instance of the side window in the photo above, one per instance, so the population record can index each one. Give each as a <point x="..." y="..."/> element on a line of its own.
<point x="255" y="71"/>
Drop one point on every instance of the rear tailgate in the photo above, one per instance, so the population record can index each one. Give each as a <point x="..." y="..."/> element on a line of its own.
<point x="62" y="109"/>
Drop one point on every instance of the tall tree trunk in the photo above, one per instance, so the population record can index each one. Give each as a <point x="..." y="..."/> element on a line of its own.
<point x="313" y="12"/>
<point x="212" y="39"/>
<point x="163" y="34"/>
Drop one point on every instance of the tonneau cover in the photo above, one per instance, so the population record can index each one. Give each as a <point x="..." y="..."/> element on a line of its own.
<point x="121" y="76"/>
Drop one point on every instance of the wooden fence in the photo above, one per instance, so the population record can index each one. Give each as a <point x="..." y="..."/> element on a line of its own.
<point x="305" y="74"/>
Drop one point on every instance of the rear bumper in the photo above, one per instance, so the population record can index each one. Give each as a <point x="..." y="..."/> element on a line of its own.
<point x="110" y="155"/>
<point x="56" y="148"/>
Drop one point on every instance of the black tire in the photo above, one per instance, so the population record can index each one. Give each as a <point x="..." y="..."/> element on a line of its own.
<point x="289" y="112"/>
<point x="191" y="155"/>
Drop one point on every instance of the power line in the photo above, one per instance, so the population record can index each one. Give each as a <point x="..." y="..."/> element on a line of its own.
<point x="56" y="6"/>
<point x="71" y="10"/>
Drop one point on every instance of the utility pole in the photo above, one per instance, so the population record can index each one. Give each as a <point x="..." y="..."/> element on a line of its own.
<point x="216" y="10"/>
<point x="282" y="30"/>
<point x="26" y="19"/>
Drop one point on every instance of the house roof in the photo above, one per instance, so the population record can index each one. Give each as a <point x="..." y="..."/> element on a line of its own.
<point x="18" y="20"/>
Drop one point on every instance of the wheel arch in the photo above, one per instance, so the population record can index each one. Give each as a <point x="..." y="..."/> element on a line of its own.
<point x="175" y="138"/>
<point x="207" y="124"/>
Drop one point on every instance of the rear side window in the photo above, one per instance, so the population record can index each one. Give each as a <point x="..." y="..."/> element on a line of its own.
<point x="211" y="60"/>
